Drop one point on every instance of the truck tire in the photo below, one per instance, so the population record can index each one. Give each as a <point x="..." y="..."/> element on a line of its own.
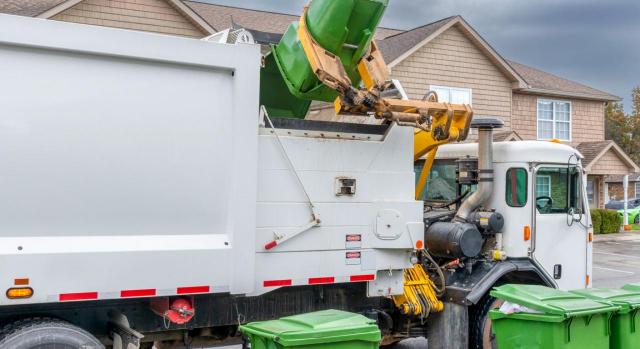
<point x="480" y="333"/>
<point x="46" y="333"/>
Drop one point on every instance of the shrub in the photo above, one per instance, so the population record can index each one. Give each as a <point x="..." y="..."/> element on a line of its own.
<point x="596" y="220"/>
<point x="605" y="221"/>
<point x="612" y="223"/>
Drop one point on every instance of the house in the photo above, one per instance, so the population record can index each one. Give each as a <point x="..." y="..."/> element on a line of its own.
<point x="615" y="187"/>
<point x="447" y="56"/>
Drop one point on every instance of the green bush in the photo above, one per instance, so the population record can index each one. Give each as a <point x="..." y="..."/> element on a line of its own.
<point x="605" y="221"/>
<point x="596" y="220"/>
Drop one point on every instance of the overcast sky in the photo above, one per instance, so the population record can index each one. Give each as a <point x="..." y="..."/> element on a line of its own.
<point x="595" y="42"/>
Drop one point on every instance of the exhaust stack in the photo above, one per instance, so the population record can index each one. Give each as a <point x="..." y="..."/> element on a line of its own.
<point x="485" y="128"/>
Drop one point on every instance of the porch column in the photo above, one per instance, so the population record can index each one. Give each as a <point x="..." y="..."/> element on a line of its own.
<point x="625" y="187"/>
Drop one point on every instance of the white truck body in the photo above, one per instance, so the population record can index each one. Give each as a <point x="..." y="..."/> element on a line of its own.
<point x="137" y="165"/>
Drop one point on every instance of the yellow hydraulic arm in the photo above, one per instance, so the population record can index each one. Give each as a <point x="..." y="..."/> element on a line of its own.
<point x="435" y="124"/>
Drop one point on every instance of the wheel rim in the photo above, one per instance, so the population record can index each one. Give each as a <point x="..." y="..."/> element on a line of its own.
<point x="488" y="337"/>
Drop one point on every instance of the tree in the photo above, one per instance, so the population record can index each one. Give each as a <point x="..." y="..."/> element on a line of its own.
<point x="625" y="129"/>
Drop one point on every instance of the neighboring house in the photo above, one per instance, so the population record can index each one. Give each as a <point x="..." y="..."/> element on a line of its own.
<point x="447" y="56"/>
<point x="615" y="187"/>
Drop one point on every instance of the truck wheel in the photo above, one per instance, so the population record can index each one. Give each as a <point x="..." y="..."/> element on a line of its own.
<point x="45" y="333"/>
<point x="481" y="335"/>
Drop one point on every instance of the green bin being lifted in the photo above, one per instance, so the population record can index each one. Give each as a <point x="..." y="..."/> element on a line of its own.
<point x="323" y="329"/>
<point x="565" y="320"/>
<point x="624" y="332"/>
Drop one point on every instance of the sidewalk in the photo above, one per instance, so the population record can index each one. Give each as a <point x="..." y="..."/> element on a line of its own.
<point x="625" y="236"/>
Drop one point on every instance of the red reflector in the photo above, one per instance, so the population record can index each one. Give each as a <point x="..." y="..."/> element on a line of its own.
<point x="270" y="245"/>
<point x="83" y="296"/>
<point x="358" y="278"/>
<point x="276" y="283"/>
<point x="193" y="289"/>
<point x="138" y="293"/>
<point x="325" y="280"/>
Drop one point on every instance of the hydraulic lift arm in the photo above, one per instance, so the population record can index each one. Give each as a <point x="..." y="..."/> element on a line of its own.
<point x="435" y="123"/>
<point x="330" y="55"/>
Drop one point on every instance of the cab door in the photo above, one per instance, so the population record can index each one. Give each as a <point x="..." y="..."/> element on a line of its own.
<point x="560" y="239"/>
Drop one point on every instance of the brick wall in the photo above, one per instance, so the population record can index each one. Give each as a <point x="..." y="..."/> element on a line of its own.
<point x="452" y="60"/>
<point x="156" y="16"/>
<point x="616" y="190"/>
<point x="587" y="118"/>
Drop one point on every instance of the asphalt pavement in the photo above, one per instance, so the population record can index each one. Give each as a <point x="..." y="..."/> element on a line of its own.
<point x="616" y="259"/>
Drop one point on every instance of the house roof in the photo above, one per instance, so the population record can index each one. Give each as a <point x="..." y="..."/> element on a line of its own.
<point x="593" y="151"/>
<point x="222" y="17"/>
<point x="402" y="45"/>
<point x="506" y="136"/>
<point x="633" y="177"/>
<point x="546" y="83"/>
<point x="50" y="8"/>
<point x="395" y="45"/>
<point x="28" y="8"/>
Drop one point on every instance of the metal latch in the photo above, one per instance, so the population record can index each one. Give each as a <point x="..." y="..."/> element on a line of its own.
<point x="345" y="186"/>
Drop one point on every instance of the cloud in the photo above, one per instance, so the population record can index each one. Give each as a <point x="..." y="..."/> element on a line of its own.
<point x="590" y="41"/>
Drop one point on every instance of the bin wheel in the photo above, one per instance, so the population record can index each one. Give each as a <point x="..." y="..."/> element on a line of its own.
<point x="46" y="333"/>
<point x="481" y="335"/>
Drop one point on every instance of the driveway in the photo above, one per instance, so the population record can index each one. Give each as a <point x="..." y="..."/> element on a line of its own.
<point x="616" y="259"/>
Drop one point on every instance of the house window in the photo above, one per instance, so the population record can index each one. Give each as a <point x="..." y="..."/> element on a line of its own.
<point x="543" y="186"/>
<point x="591" y="193"/>
<point x="554" y="120"/>
<point x="637" y="190"/>
<point x="452" y="94"/>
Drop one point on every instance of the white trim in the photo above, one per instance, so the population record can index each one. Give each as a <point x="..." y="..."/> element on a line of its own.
<point x="548" y="177"/>
<point x="450" y="88"/>
<point x="192" y="16"/>
<point x="178" y="5"/>
<point x="553" y="120"/>
<point x="58" y="8"/>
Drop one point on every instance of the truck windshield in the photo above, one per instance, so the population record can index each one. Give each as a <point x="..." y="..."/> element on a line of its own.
<point x="441" y="185"/>
<point x="558" y="190"/>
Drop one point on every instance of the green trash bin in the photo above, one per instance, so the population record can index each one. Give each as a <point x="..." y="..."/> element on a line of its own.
<point x="323" y="329"/>
<point x="631" y="287"/>
<point x="565" y="320"/>
<point x="624" y="332"/>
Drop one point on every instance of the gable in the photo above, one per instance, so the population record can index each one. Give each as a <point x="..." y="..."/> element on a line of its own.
<point x="156" y="16"/>
<point x="610" y="163"/>
<point x="452" y="60"/>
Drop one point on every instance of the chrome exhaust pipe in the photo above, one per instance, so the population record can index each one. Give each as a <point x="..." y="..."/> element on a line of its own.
<point x="485" y="128"/>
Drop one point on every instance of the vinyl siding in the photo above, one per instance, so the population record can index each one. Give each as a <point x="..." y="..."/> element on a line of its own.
<point x="610" y="164"/>
<point x="587" y="118"/>
<point x="452" y="60"/>
<point x="156" y="16"/>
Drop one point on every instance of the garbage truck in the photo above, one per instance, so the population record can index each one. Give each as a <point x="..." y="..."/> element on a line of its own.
<point x="160" y="191"/>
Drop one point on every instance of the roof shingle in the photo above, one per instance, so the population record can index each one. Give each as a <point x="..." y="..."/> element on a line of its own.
<point x="538" y="79"/>
<point x="222" y="17"/>
<point x="396" y="45"/>
<point x="28" y="8"/>
<point x="591" y="150"/>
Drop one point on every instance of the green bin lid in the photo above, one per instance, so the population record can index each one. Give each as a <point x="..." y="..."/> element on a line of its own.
<point x="551" y="301"/>
<point x="328" y="326"/>
<point x="632" y="287"/>
<point x="627" y="300"/>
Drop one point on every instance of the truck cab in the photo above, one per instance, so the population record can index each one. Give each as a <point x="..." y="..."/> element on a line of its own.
<point x="539" y="190"/>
